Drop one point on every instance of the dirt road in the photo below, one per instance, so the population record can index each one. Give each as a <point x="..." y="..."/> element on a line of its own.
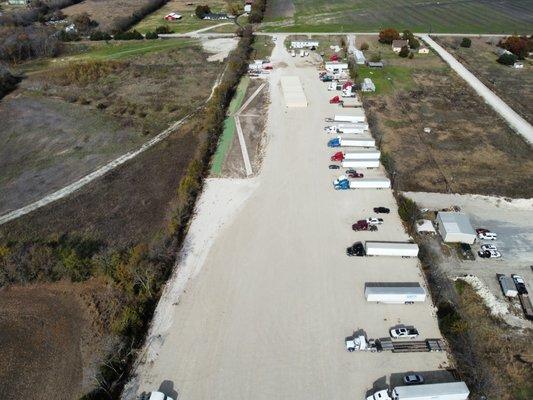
<point x="518" y="123"/>
<point x="266" y="314"/>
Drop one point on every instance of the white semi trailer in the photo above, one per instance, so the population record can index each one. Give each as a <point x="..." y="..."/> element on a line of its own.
<point x="349" y="118"/>
<point x="395" y="293"/>
<point x="363" y="163"/>
<point x="356" y="142"/>
<point x="395" y="249"/>
<point x="362" y="154"/>
<point x="434" y="391"/>
<point x="353" y="129"/>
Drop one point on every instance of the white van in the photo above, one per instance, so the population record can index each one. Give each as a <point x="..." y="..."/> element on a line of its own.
<point x="487" y="236"/>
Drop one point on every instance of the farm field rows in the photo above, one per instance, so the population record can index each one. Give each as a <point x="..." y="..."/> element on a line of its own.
<point x="457" y="16"/>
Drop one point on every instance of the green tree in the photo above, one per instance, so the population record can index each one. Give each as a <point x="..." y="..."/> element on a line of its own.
<point x="404" y="51"/>
<point x="151" y="35"/>
<point x="466" y="42"/>
<point x="507" y="59"/>
<point x="414" y="43"/>
<point x="201" y="11"/>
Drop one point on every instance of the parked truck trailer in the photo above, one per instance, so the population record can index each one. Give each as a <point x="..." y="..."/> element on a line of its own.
<point x="395" y="249"/>
<point x="343" y="183"/>
<point x="395" y="292"/>
<point x="357" y="154"/>
<point x="349" y="118"/>
<point x="359" y="142"/>
<point x="362" y="163"/>
<point x="434" y="391"/>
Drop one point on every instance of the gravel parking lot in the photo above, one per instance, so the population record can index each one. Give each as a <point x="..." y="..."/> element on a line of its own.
<point x="266" y="314"/>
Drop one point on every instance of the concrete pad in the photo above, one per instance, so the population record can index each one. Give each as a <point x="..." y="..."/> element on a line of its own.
<point x="293" y="91"/>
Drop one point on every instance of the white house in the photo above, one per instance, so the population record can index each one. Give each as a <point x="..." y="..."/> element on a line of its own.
<point x="247" y="8"/>
<point x="368" y="85"/>
<point x="398" y="44"/>
<point x="423" y="50"/>
<point x="455" y="227"/>
<point x="304" y="44"/>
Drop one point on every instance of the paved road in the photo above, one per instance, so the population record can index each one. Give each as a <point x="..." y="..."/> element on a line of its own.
<point x="266" y="313"/>
<point x="513" y="119"/>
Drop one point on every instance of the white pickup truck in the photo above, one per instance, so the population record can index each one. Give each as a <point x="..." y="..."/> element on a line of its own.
<point x="155" y="396"/>
<point x="401" y="333"/>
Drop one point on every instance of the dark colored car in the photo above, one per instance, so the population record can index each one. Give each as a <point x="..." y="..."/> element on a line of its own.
<point x="356" y="249"/>
<point x="351" y="171"/>
<point x="355" y="174"/>
<point x="413" y="379"/>
<point x="381" y="210"/>
<point x="333" y="166"/>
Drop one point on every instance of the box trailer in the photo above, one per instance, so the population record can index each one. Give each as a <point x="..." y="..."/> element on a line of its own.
<point x="359" y="154"/>
<point x="356" y="142"/>
<point x="370" y="183"/>
<point x="396" y="249"/>
<point x="361" y="163"/>
<point x="335" y="67"/>
<point x="432" y="391"/>
<point x="354" y="129"/>
<point x="508" y="286"/>
<point x="394" y="293"/>
<point x="348" y="118"/>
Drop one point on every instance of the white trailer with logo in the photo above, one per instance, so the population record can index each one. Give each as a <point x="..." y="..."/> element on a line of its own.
<point x="395" y="292"/>
<point x="354" y="119"/>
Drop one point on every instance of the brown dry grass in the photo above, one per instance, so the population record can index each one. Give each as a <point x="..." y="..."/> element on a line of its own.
<point x="495" y="368"/>
<point x="469" y="150"/>
<point x="52" y="339"/>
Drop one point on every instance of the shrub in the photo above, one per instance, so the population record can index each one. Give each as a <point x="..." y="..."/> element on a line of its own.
<point x="408" y="211"/>
<point x="8" y="82"/>
<point x="82" y="73"/>
<point x="364" y="46"/>
<point x="388" y="35"/>
<point x="99" y="35"/>
<point x="201" y="11"/>
<point x="411" y="55"/>
<point x="151" y="35"/>
<point x="65" y="36"/>
<point x="163" y="29"/>
<point x="130" y="35"/>
<point x="404" y="51"/>
<point x="466" y="42"/>
<point x="414" y="43"/>
<point x="507" y="59"/>
<point x="407" y="35"/>
<point x="519" y="46"/>
<point x="375" y="57"/>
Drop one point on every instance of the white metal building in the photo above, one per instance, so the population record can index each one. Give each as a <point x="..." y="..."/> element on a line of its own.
<point x="455" y="227"/>
<point x="304" y="44"/>
<point x="359" y="57"/>
<point x="368" y="85"/>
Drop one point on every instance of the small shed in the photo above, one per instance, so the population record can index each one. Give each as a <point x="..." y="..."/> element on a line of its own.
<point x="375" y="64"/>
<point x="359" y="57"/>
<point x="425" y="226"/>
<point x="398" y="44"/>
<point x="247" y="8"/>
<point x="455" y="227"/>
<point x="423" y="50"/>
<point x="368" y="85"/>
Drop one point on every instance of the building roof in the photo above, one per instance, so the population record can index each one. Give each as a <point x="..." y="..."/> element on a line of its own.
<point x="424" y="226"/>
<point x="375" y="64"/>
<point x="456" y="222"/>
<point x="399" y="43"/>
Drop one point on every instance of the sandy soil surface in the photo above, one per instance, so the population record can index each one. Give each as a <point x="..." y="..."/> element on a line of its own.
<point x="219" y="48"/>
<point x="267" y="315"/>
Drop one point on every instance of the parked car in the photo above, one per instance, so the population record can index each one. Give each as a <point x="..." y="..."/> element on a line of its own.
<point x="485" y="247"/>
<point x="363" y="225"/>
<point x="397" y="333"/>
<point x="413" y="379"/>
<point x="356" y="249"/>
<point x="481" y="230"/>
<point x="489" y="254"/>
<point x="333" y="166"/>
<point x="519" y="283"/>
<point x="374" y="221"/>
<point x="466" y="251"/>
<point x="355" y="174"/>
<point x="487" y="235"/>
<point x="381" y="210"/>
<point x="351" y="171"/>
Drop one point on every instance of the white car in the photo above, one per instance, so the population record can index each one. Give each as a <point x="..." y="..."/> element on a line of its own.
<point x="374" y="221"/>
<point x="489" y="254"/>
<point x="487" y="236"/>
<point x="485" y="247"/>
<point x="397" y="333"/>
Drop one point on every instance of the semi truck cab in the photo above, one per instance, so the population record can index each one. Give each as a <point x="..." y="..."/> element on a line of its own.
<point x="380" y="395"/>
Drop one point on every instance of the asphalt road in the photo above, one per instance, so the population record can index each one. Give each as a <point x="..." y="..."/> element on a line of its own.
<point x="518" y="123"/>
<point x="266" y="312"/>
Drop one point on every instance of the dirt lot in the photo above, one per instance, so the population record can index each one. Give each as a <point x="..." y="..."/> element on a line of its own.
<point x="514" y="86"/>
<point x="60" y="125"/>
<point x="467" y="144"/>
<point x="51" y="339"/>
<point x="253" y="121"/>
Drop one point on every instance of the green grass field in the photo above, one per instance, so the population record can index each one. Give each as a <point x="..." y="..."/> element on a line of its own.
<point x="470" y="16"/>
